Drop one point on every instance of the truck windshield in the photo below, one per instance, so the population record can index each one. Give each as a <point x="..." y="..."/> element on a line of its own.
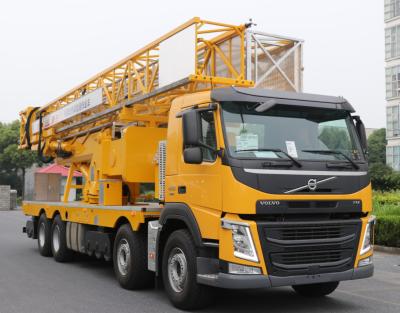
<point x="304" y="133"/>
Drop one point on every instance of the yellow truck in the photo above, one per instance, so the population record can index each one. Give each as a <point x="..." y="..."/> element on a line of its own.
<point x="204" y="165"/>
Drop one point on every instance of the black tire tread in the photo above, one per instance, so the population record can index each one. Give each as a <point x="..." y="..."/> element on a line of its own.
<point x="197" y="296"/>
<point x="46" y="249"/>
<point x="64" y="254"/>
<point x="140" y="277"/>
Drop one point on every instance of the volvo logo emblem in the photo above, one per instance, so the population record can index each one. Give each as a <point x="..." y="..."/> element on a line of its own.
<point x="312" y="184"/>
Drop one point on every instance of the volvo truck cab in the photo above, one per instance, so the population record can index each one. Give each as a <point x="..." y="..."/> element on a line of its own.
<point x="274" y="186"/>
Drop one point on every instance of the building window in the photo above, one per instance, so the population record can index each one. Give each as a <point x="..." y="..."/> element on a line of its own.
<point x="393" y="157"/>
<point x="392" y="82"/>
<point x="392" y="9"/>
<point x="389" y="156"/>
<point x="392" y="118"/>
<point x="392" y="42"/>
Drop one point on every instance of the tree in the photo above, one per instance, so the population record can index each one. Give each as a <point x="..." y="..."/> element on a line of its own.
<point x="335" y="138"/>
<point x="382" y="176"/>
<point x="377" y="147"/>
<point x="13" y="162"/>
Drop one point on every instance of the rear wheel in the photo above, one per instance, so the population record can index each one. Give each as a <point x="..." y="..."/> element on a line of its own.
<point x="316" y="290"/>
<point x="44" y="235"/>
<point x="180" y="273"/>
<point x="130" y="259"/>
<point x="59" y="248"/>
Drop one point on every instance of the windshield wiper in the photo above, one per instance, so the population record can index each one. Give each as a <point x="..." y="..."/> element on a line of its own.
<point x="354" y="164"/>
<point x="298" y="164"/>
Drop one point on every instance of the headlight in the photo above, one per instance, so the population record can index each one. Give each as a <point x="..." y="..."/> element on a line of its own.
<point x="368" y="240"/>
<point x="365" y="262"/>
<point x="243" y="245"/>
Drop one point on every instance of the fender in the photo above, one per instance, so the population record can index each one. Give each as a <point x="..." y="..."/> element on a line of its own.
<point x="182" y="212"/>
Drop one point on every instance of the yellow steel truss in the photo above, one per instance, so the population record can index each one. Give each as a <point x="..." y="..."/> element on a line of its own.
<point x="131" y="91"/>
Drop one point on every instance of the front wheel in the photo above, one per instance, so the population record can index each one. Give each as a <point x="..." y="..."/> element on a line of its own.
<point x="316" y="290"/>
<point x="180" y="273"/>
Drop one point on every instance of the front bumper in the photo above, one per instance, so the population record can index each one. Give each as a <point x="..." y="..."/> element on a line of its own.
<point x="233" y="281"/>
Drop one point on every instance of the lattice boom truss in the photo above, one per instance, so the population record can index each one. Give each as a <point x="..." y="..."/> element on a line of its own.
<point x="224" y="55"/>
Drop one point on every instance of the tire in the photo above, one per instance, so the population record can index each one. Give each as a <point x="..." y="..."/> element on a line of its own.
<point x="316" y="290"/>
<point x="59" y="248"/>
<point x="179" y="271"/>
<point x="130" y="259"/>
<point x="44" y="235"/>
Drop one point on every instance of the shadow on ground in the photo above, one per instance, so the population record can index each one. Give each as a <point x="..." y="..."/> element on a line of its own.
<point x="262" y="300"/>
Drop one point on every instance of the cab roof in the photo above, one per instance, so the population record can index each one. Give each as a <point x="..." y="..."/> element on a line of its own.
<point x="240" y="94"/>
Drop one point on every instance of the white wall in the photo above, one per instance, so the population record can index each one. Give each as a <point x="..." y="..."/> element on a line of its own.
<point x="72" y="192"/>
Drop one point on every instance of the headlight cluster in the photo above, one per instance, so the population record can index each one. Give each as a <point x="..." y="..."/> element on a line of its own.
<point x="365" y="262"/>
<point x="243" y="245"/>
<point x="368" y="240"/>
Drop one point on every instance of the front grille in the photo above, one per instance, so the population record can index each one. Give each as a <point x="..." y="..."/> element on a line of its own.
<point x="304" y="260"/>
<point x="295" y="248"/>
<point x="312" y="257"/>
<point x="310" y="232"/>
<point x="296" y="233"/>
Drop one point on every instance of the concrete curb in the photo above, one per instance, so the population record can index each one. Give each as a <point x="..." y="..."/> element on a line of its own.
<point x="391" y="250"/>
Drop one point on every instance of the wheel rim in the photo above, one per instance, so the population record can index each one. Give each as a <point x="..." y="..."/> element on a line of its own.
<point x="56" y="238"/>
<point x="177" y="269"/>
<point x="42" y="236"/>
<point x="123" y="256"/>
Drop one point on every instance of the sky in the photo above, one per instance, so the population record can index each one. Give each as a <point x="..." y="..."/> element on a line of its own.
<point x="48" y="47"/>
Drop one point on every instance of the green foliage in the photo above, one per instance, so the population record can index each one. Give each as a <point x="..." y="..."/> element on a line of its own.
<point x="9" y="134"/>
<point x="386" y="198"/>
<point x="379" y="169"/>
<point x="387" y="230"/>
<point x="17" y="159"/>
<point x="387" y="210"/>
<point x="335" y="138"/>
<point x="383" y="177"/>
<point x="377" y="147"/>
<point x="386" y="203"/>
<point x="13" y="162"/>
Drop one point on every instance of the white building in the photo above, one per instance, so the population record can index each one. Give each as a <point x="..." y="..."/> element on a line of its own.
<point x="392" y="58"/>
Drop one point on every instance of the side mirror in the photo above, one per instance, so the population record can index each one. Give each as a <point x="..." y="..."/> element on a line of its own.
<point x="361" y="133"/>
<point x="193" y="155"/>
<point x="191" y="128"/>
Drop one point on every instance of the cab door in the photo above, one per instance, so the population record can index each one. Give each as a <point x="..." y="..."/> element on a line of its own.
<point x="199" y="185"/>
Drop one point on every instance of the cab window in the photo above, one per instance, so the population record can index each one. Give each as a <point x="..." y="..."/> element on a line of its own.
<point x="208" y="135"/>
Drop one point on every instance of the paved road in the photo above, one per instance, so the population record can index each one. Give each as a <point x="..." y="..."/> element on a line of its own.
<point x="31" y="283"/>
